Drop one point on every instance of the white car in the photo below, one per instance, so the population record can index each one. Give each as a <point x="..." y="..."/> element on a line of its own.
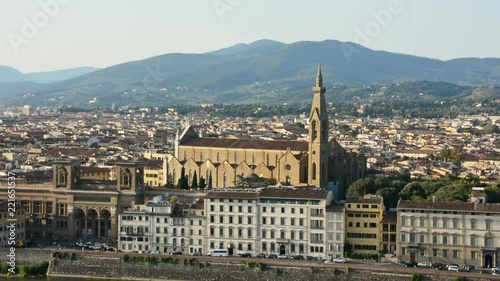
<point x="283" y="257"/>
<point x="329" y="261"/>
<point x="340" y="260"/>
<point x="453" y="268"/>
<point x="327" y="258"/>
<point x="423" y="264"/>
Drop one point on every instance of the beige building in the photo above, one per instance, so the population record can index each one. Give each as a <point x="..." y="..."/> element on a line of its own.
<point x="319" y="162"/>
<point x="335" y="227"/>
<point x="75" y="208"/>
<point x="461" y="233"/>
<point x="363" y="223"/>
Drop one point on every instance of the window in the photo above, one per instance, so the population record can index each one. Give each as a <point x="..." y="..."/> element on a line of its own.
<point x="488" y="225"/>
<point x="264" y="233"/>
<point x="473" y="241"/>
<point x="249" y="233"/>
<point x="403" y="251"/>
<point x="445" y="223"/>
<point x="293" y="210"/>
<point x="473" y="255"/>
<point x="212" y="208"/>
<point x="240" y="209"/>
<point x="445" y="253"/>
<point x="403" y="237"/>
<point x="221" y="208"/>
<point x="249" y="209"/>
<point x="292" y="221"/>
<point x="455" y="224"/>
<point x="263" y="209"/>
<point x="434" y="252"/>
<point x="422" y="238"/>
<point x="445" y="239"/>
<point x="435" y="223"/>
<point x="455" y="240"/>
<point x="282" y="210"/>
<point x="456" y="254"/>
<point x="473" y="224"/>
<point x="434" y="239"/>
<point x="221" y="219"/>
<point x="422" y="222"/>
<point x="282" y="221"/>
<point x="301" y="222"/>
<point x="488" y="241"/>
<point x="264" y="220"/>
<point x="249" y="219"/>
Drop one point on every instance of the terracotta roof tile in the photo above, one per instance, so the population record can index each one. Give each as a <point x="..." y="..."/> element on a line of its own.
<point x="248" y="144"/>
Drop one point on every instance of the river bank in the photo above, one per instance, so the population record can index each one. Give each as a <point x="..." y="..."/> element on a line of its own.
<point x="118" y="266"/>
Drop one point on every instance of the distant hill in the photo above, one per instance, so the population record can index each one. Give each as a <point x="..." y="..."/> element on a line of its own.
<point x="265" y="70"/>
<point x="9" y="74"/>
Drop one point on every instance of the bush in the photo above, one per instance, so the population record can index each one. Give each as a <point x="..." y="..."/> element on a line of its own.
<point x="278" y="272"/>
<point x="460" y="278"/>
<point x="72" y="256"/>
<point x="34" y="269"/>
<point x="126" y="258"/>
<point x="416" y="277"/>
<point x="251" y="264"/>
<point x="261" y="266"/>
<point x="335" y="271"/>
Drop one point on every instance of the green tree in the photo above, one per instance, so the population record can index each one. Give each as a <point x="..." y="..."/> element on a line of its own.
<point x="412" y="191"/>
<point x="203" y="184"/>
<point x="361" y="187"/>
<point x="194" y="183"/>
<point x="453" y="192"/>
<point x="491" y="129"/>
<point x="173" y="199"/>
<point x="390" y="195"/>
<point x="209" y="184"/>
<point x="183" y="181"/>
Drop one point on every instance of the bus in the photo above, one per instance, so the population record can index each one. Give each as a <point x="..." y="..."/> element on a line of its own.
<point x="219" y="253"/>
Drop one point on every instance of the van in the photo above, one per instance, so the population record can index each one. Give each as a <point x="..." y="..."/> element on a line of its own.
<point x="219" y="253"/>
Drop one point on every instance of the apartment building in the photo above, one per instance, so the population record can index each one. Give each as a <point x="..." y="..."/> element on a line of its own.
<point x="335" y="227"/>
<point x="197" y="223"/>
<point x="363" y="218"/>
<point x="156" y="226"/>
<point x="389" y="232"/>
<point x="293" y="221"/>
<point x="232" y="221"/>
<point x="459" y="232"/>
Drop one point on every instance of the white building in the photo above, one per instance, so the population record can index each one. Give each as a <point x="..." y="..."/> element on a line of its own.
<point x="335" y="227"/>
<point x="462" y="233"/>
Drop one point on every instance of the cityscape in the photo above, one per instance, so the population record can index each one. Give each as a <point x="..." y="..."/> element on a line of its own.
<point x="305" y="160"/>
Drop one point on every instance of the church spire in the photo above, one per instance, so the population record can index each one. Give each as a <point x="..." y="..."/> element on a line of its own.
<point x="319" y="77"/>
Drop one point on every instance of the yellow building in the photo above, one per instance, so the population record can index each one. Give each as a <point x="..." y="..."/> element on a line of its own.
<point x="153" y="173"/>
<point x="12" y="225"/>
<point x="95" y="173"/>
<point x="363" y="219"/>
<point x="320" y="161"/>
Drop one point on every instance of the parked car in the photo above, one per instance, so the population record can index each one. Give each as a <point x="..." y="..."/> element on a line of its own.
<point x="283" y="256"/>
<point x="438" y="266"/>
<point x="339" y="260"/>
<point x="245" y="255"/>
<point x="453" y="268"/>
<point x="175" y="253"/>
<point x="310" y="258"/>
<point x="468" y="268"/>
<point x="155" y="252"/>
<point x="423" y="264"/>
<point x="195" y="254"/>
<point x="272" y="256"/>
<point x="260" y="256"/>
<point x="325" y="258"/>
<point x="298" y="257"/>
<point x="410" y="264"/>
<point x="329" y="261"/>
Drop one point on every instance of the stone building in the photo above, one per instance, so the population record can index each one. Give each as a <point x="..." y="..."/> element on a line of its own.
<point x="71" y="207"/>
<point x="320" y="161"/>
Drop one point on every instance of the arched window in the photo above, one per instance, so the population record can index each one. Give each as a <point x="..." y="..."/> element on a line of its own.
<point x="253" y="158"/>
<point x="267" y="159"/>
<point x="61" y="176"/>
<point x="126" y="177"/>
<point x="314" y="130"/>
<point x="201" y="156"/>
<point x="208" y="177"/>
<point x="182" y="231"/>
<point x="190" y="179"/>
<point x="218" y="157"/>
<point x="225" y="180"/>
<point x="174" y="241"/>
<point x="314" y="171"/>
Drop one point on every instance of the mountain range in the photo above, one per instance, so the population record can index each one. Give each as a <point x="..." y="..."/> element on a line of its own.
<point x="262" y="71"/>
<point x="9" y="74"/>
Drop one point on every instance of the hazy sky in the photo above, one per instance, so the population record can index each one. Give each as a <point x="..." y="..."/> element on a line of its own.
<point x="46" y="35"/>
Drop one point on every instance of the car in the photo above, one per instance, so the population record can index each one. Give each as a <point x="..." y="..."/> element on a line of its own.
<point x="272" y="256"/>
<point x="260" y="256"/>
<point x="453" y="268"/>
<point x="339" y="260"/>
<point x="468" y="268"/>
<point x="298" y="257"/>
<point x="423" y="264"/>
<point x="310" y="258"/>
<point x="175" y="253"/>
<point x="195" y="254"/>
<point x="155" y="252"/>
<point x="245" y="255"/>
<point x="329" y="261"/>
<point x="496" y="271"/>
<point x="438" y="266"/>
<point x="325" y="258"/>
<point x="410" y="264"/>
<point x="284" y="256"/>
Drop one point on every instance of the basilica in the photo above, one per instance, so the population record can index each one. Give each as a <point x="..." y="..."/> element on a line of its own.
<point x="319" y="162"/>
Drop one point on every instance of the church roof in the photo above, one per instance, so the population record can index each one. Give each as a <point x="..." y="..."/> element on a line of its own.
<point x="247" y="144"/>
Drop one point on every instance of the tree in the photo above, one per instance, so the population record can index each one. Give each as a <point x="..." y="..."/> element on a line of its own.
<point x="173" y="199"/>
<point x="360" y="187"/>
<point x="183" y="181"/>
<point x="453" y="192"/>
<point x="209" y="185"/>
<point x="390" y="195"/>
<point x="194" y="183"/>
<point x="491" y="129"/>
<point x="170" y="182"/>
<point x="412" y="191"/>
<point x="203" y="184"/>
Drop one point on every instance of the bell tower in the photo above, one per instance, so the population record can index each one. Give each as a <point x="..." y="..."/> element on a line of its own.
<point x="318" y="136"/>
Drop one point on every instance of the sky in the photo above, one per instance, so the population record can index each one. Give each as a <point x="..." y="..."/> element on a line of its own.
<point x="43" y="35"/>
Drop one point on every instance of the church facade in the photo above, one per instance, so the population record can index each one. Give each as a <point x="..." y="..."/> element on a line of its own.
<point x="320" y="162"/>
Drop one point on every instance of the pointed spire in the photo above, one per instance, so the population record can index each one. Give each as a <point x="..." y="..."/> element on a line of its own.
<point x="319" y="77"/>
